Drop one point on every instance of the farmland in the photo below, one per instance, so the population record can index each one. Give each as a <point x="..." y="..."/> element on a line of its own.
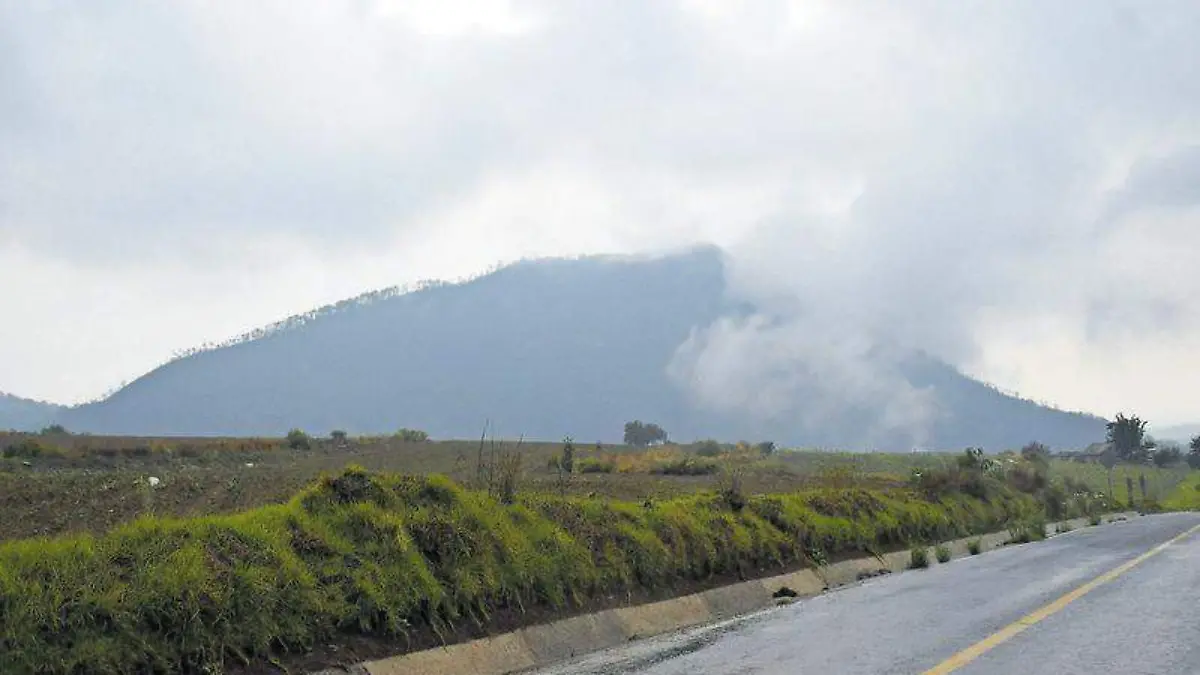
<point x="91" y="484"/>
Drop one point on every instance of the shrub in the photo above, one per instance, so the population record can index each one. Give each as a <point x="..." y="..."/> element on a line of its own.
<point x="298" y="440"/>
<point x="975" y="546"/>
<point x="1027" y="530"/>
<point x="595" y="465"/>
<point x="1094" y="519"/>
<point x="918" y="558"/>
<point x="412" y="436"/>
<point x="942" y="552"/>
<point x="732" y="494"/>
<point x="567" y="459"/>
<point x="32" y="448"/>
<point x="338" y="437"/>
<point x="708" y="448"/>
<point x="685" y="466"/>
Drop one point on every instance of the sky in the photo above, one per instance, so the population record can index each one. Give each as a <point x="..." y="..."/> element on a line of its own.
<point x="1013" y="187"/>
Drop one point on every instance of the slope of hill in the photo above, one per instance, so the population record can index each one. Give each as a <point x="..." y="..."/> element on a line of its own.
<point x="545" y="348"/>
<point x="22" y="414"/>
<point x="1182" y="433"/>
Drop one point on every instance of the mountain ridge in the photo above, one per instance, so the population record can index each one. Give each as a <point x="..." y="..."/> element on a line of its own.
<point x="25" y="414"/>
<point x="545" y="348"/>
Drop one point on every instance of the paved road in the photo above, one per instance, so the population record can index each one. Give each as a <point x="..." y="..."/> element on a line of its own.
<point x="1144" y="621"/>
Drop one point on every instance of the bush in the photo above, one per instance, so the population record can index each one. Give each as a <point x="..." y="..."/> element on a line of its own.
<point x="32" y="448"/>
<point x="975" y="546"/>
<point x="412" y="436"/>
<point x="708" y="448"/>
<point x="942" y="552"/>
<point x="1094" y="519"/>
<point x="1027" y="530"/>
<point x="595" y="465"/>
<point x="298" y="440"/>
<point x="338" y="436"/>
<point x="685" y="466"/>
<point x="918" y="558"/>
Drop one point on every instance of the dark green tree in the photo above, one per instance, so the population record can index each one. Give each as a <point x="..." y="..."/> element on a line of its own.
<point x="1035" y="452"/>
<point x="1194" y="453"/>
<point x="1167" y="454"/>
<point x="640" y="435"/>
<point x="1128" y="438"/>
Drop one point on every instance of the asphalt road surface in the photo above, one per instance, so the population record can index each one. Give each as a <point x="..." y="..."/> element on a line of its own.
<point x="1087" y="602"/>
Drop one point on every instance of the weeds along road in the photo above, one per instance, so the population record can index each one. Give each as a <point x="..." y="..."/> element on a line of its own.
<point x="1090" y="601"/>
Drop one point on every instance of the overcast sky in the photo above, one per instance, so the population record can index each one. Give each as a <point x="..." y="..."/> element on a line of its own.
<point x="1012" y="186"/>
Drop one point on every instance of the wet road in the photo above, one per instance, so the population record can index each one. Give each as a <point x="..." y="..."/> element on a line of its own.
<point x="1101" y="606"/>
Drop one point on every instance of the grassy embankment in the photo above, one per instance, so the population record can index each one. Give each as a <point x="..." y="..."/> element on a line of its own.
<point x="403" y="559"/>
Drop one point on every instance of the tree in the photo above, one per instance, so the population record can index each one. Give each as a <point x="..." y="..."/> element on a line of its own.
<point x="640" y="435"/>
<point x="1036" y="453"/>
<point x="1128" y="438"/>
<point x="766" y="448"/>
<point x="709" y="448"/>
<point x="1167" y="454"/>
<point x="298" y="440"/>
<point x="1194" y="454"/>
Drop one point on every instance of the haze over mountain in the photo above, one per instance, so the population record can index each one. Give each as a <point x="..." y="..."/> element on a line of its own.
<point x="550" y="348"/>
<point x="25" y="414"/>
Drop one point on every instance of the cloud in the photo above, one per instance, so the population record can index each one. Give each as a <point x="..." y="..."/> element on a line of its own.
<point x="769" y="370"/>
<point x="1007" y="187"/>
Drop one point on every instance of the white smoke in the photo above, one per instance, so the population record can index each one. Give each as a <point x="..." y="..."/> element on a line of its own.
<point x="768" y="369"/>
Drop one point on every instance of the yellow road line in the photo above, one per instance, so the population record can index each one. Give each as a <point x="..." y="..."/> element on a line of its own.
<point x="1015" y="628"/>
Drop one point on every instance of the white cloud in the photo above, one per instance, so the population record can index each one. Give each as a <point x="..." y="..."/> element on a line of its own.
<point x="1007" y="186"/>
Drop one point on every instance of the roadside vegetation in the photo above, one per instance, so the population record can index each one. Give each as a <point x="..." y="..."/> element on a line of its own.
<point x="396" y="557"/>
<point x="197" y="555"/>
<point x="1185" y="496"/>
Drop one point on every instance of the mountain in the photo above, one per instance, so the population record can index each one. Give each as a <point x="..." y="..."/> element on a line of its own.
<point x="543" y="348"/>
<point x="22" y="414"/>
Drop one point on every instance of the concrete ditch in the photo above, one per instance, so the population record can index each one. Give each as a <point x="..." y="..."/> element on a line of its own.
<point x="546" y="644"/>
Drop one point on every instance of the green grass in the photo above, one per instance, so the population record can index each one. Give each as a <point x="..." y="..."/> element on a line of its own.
<point x="942" y="552"/>
<point x="918" y="558"/>
<point x="1158" y="481"/>
<point x="1027" y="530"/>
<point x="1185" y="496"/>
<point x="391" y="556"/>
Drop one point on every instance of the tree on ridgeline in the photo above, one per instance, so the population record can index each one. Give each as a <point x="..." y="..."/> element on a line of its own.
<point x="1194" y="453"/>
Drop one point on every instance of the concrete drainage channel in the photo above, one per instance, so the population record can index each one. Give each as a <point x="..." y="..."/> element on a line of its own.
<point x="547" y="644"/>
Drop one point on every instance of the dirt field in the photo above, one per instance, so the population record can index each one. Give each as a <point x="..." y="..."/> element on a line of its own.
<point x="91" y="483"/>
